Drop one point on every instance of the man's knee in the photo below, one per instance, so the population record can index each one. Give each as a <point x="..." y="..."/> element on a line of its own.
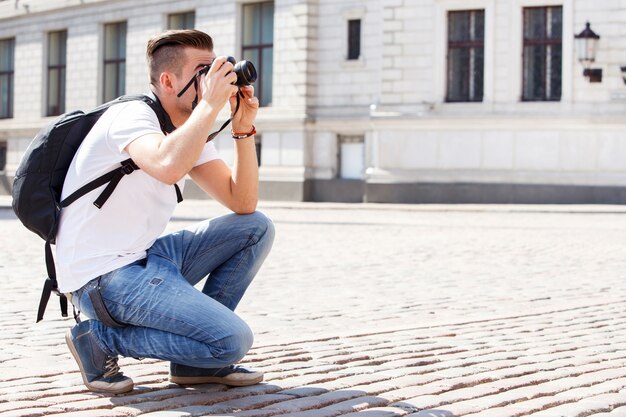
<point x="261" y="226"/>
<point x="234" y="347"/>
<point x="261" y="222"/>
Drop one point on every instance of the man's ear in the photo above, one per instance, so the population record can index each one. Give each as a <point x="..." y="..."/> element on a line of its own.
<point x="166" y="82"/>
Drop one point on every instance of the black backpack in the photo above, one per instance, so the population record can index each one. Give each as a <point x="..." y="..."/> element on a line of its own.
<point x="40" y="175"/>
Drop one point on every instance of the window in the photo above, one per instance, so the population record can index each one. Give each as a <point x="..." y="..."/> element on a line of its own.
<point x="258" y="45"/>
<point x="7" y="67"/>
<point x="543" y="27"/>
<point x="5" y="183"/>
<point x="114" y="60"/>
<point x="55" y="101"/>
<point x="354" y="39"/>
<point x="185" y="20"/>
<point x="3" y="156"/>
<point x="466" y="57"/>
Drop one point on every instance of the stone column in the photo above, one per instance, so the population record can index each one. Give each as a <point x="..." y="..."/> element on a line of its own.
<point x="286" y="143"/>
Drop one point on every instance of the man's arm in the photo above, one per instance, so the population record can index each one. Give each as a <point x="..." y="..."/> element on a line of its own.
<point x="169" y="158"/>
<point x="237" y="189"/>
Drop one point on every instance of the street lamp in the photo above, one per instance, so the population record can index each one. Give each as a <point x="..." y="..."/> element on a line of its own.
<point x="586" y="48"/>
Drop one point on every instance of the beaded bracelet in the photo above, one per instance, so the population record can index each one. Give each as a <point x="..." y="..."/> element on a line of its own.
<point x="243" y="135"/>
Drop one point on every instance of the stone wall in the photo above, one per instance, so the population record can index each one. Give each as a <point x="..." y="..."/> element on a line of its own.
<point x="393" y="96"/>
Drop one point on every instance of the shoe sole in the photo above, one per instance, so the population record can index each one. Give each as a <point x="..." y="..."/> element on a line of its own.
<point x="192" y="380"/>
<point x="70" y="344"/>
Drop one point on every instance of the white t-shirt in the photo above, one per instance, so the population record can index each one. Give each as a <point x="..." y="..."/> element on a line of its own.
<point x="92" y="241"/>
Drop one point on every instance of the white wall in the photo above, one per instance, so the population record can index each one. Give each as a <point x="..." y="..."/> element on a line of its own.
<point x="416" y="136"/>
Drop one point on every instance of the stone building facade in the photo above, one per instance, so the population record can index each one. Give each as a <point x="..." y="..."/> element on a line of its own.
<point x="427" y="101"/>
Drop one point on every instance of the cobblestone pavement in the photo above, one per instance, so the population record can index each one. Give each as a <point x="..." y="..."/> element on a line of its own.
<point x="374" y="311"/>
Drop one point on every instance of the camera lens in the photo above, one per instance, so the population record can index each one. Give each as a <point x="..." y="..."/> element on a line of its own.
<point x="246" y="73"/>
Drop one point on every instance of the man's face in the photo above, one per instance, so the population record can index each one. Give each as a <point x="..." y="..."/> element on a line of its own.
<point x="195" y="60"/>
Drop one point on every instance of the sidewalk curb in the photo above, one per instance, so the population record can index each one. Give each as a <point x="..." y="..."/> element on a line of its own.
<point x="5" y="204"/>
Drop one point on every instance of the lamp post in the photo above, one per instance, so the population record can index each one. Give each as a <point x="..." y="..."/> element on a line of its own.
<point x="586" y="48"/>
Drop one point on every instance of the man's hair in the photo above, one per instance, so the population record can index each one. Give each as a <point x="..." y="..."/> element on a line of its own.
<point x="165" y="51"/>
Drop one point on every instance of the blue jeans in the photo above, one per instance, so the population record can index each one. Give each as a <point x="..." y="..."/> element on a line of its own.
<point x="167" y="317"/>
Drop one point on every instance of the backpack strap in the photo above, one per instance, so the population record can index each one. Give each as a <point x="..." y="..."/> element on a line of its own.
<point x="165" y="123"/>
<point x="113" y="177"/>
<point x="167" y="126"/>
<point x="49" y="286"/>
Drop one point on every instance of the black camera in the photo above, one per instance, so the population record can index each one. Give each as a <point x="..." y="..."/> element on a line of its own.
<point x="246" y="73"/>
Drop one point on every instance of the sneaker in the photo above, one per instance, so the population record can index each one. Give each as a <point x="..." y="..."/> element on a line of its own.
<point x="236" y="376"/>
<point x="100" y="371"/>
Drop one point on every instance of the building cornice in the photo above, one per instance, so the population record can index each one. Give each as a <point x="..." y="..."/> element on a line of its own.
<point x="16" y="9"/>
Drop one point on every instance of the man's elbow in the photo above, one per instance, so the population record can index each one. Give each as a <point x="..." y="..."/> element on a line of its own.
<point x="245" y="207"/>
<point x="172" y="179"/>
<point x="172" y="173"/>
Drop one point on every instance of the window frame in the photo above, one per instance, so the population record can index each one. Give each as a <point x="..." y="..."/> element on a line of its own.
<point x="185" y="15"/>
<point x="513" y="93"/>
<point x="354" y="13"/>
<point x="62" y="68"/>
<point x="439" y="74"/>
<point x="117" y="62"/>
<point x="10" y="74"/>
<point x="4" y="151"/>
<point x="468" y="45"/>
<point x="352" y="55"/>
<point x="546" y="42"/>
<point x="259" y="47"/>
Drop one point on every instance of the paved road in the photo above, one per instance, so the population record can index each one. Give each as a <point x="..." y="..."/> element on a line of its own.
<point x="374" y="311"/>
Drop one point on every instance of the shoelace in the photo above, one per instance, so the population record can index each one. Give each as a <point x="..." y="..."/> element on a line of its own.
<point x="111" y="368"/>
<point x="241" y="369"/>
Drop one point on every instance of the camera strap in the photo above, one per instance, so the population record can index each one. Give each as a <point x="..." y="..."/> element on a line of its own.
<point x="194" y="81"/>
<point x="217" y="132"/>
<point x="194" y="103"/>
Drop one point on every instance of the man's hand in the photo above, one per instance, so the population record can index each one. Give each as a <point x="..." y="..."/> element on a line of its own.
<point x="217" y="86"/>
<point x="248" y="107"/>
